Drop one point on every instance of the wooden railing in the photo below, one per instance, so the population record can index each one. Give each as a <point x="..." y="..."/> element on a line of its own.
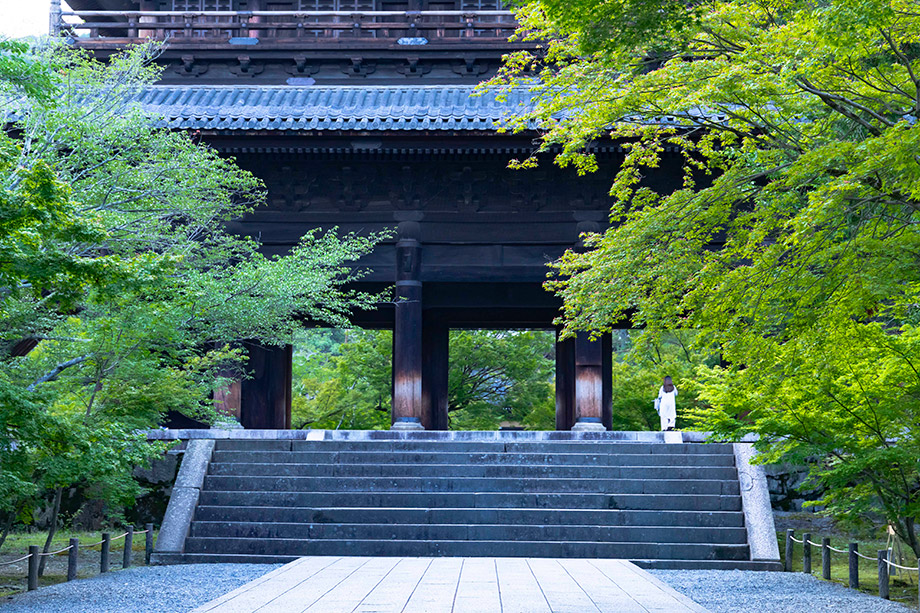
<point x="252" y="27"/>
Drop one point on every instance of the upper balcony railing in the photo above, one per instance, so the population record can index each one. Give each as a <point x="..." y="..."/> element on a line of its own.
<point x="261" y="27"/>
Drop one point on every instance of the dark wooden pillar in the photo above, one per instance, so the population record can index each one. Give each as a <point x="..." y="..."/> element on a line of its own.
<point x="288" y="386"/>
<point x="607" y="380"/>
<point x="435" y="373"/>
<point x="265" y="397"/>
<point x="565" y="383"/>
<point x="589" y="386"/>
<point x="589" y="368"/>
<point x="227" y="399"/>
<point x="407" y="331"/>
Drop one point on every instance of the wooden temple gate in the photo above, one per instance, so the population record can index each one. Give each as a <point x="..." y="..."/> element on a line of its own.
<point x="365" y="118"/>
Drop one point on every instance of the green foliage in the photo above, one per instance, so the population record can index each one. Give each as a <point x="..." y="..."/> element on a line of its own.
<point x="501" y="376"/>
<point x="641" y="362"/>
<point x="621" y="23"/>
<point x="845" y="402"/>
<point x="115" y="264"/>
<point x="343" y="379"/>
<point x="39" y="224"/>
<point x="22" y="74"/>
<point x="792" y="244"/>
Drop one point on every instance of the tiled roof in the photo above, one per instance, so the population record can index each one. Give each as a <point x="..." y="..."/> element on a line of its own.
<point x="429" y="107"/>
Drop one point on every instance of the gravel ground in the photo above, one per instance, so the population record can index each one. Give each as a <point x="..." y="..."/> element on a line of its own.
<point x="738" y="591"/>
<point x="145" y="589"/>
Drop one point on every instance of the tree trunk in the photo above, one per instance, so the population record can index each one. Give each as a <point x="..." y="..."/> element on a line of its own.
<point x="7" y="527"/>
<point x="51" y="529"/>
<point x="910" y="529"/>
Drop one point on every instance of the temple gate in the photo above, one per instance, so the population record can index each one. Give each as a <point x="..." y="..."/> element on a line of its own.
<point x="362" y="115"/>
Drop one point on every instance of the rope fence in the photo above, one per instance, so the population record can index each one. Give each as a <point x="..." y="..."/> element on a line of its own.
<point x="25" y="557"/>
<point x="890" y="563"/>
<point x="73" y="554"/>
<point x="882" y="558"/>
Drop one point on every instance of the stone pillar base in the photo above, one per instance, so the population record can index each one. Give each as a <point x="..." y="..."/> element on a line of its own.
<point x="588" y="424"/>
<point x="407" y="424"/>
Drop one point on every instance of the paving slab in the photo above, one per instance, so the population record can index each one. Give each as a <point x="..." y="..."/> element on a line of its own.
<point x="327" y="584"/>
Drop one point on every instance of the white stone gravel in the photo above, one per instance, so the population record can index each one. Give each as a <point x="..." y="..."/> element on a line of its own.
<point x="143" y="589"/>
<point x="738" y="591"/>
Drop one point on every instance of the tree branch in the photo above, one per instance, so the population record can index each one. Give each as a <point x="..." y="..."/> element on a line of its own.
<point x="57" y="370"/>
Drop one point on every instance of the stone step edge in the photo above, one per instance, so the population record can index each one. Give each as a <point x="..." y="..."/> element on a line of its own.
<point x="483" y="478"/>
<point x="499" y="452"/>
<point x="242" y="558"/>
<point x="458" y="509"/>
<point x="442" y="525"/>
<point x="664" y="564"/>
<point x="396" y="492"/>
<point x="270" y="540"/>
<point x="210" y="489"/>
<point x="404" y="444"/>
<point x="590" y="449"/>
<point x="452" y="466"/>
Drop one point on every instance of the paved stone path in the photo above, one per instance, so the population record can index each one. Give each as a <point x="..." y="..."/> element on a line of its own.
<point x="454" y="585"/>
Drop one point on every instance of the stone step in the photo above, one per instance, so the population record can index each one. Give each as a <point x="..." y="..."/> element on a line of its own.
<point x="377" y="458"/>
<point x="758" y="565"/>
<point x="252" y="469"/>
<point x="437" y="494"/>
<point x="252" y="445"/>
<point x="472" y="484"/>
<point x="543" y="549"/>
<point x="533" y="517"/>
<point x="233" y="558"/>
<point x="670" y="502"/>
<point x="468" y="532"/>
<point x="164" y="558"/>
<point x="493" y="446"/>
<point x="509" y="447"/>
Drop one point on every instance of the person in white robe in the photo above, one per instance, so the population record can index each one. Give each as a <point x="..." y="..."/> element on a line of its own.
<point x="666" y="404"/>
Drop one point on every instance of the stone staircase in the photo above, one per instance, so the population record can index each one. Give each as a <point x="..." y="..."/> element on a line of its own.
<point x="663" y="505"/>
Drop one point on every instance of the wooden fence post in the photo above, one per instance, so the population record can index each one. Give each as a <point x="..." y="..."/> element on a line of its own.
<point x="129" y="544"/>
<point x="806" y="553"/>
<point x="73" y="559"/>
<point x="104" y="556"/>
<point x="883" y="574"/>
<point x="789" y="549"/>
<point x="854" y="566"/>
<point x="148" y="543"/>
<point x="826" y="558"/>
<point x="33" y="567"/>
